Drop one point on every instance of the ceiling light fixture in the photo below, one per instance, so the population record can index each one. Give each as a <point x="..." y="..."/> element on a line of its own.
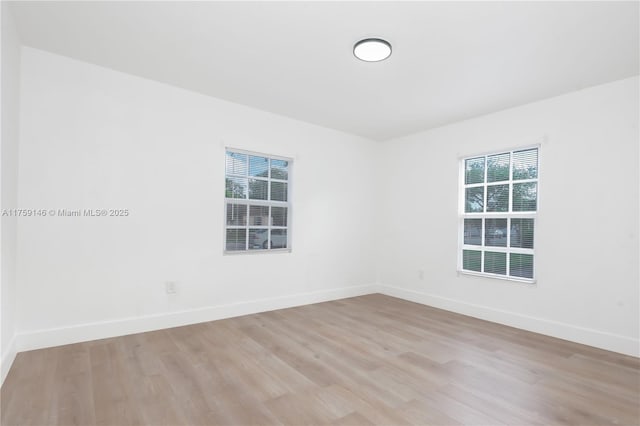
<point x="372" y="50"/>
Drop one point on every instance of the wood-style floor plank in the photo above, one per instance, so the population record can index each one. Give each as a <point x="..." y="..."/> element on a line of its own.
<point x="359" y="361"/>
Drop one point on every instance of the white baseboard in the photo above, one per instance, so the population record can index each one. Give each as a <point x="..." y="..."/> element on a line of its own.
<point x="586" y="336"/>
<point x="8" y="355"/>
<point x="100" y="330"/>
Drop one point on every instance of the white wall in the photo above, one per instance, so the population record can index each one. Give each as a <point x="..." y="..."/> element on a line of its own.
<point x="10" y="133"/>
<point x="96" y="138"/>
<point x="587" y="228"/>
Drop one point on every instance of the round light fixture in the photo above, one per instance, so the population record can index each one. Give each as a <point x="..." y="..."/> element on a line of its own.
<point x="372" y="50"/>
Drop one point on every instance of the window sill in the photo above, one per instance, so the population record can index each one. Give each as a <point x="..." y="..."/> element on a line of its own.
<point x="500" y="277"/>
<point x="257" y="251"/>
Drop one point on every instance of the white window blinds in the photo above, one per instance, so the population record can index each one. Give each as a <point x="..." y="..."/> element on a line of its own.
<point x="257" y="202"/>
<point x="499" y="203"/>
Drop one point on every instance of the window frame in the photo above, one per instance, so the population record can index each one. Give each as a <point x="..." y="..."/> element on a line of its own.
<point x="509" y="214"/>
<point x="257" y="202"/>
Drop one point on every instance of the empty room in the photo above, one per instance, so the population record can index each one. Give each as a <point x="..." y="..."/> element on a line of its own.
<point x="320" y="213"/>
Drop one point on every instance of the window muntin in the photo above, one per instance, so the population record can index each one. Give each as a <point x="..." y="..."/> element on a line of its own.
<point x="257" y="202"/>
<point x="499" y="202"/>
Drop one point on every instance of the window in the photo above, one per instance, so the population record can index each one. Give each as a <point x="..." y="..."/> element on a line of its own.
<point x="257" y="202"/>
<point x="499" y="201"/>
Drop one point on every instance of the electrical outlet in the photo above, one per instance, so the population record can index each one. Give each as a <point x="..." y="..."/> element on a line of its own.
<point x="420" y="274"/>
<point x="170" y="287"/>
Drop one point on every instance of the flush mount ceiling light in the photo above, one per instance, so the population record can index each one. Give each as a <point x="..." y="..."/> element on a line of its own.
<point x="372" y="50"/>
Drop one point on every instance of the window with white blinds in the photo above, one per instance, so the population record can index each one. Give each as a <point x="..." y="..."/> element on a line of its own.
<point x="257" y="202"/>
<point x="499" y="202"/>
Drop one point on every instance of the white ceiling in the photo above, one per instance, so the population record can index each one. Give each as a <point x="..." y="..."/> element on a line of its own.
<point x="451" y="60"/>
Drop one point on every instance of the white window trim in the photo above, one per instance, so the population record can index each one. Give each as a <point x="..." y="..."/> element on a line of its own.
<point x="248" y="202"/>
<point x="508" y="215"/>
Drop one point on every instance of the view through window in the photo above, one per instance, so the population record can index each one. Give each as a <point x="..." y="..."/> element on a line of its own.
<point x="258" y="205"/>
<point x="499" y="199"/>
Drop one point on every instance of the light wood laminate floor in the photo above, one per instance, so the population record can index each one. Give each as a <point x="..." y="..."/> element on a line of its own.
<point x="359" y="361"/>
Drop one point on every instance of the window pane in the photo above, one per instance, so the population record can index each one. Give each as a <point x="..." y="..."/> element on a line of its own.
<point x="525" y="197"/>
<point x="258" y="215"/>
<point x="495" y="232"/>
<point x="473" y="231"/>
<point x="474" y="200"/>
<point x="525" y="164"/>
<point x="498" y="198"/>
<point x="521" y="265"/>
<point x="236" y="164"/>
<point x="279" y="191"/>
<point x="264" y="182"/>
<point x="236" y="214"/>
<point x="279" y="216"/>
<point x="471" y="260"/>
<point x="259" y="166"/>
<point x="278" y="238"/>
<point x="498" y="167"/>
<point x="279" y="169"/>
<point x="236" y="239"/>
<point x="258" y="189"/>
<point x="235" y="187"/>
<point x="474" y="170"/>
<point x="495" y="263"/>
<point x="522" y="233"/>
<point x="258" y="239"/>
